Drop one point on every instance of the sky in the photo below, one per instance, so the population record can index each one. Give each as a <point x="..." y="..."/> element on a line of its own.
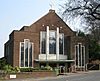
<point x="14" y="14"/>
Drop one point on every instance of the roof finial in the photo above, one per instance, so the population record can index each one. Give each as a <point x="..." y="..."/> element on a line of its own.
<point x="52" y="4"/>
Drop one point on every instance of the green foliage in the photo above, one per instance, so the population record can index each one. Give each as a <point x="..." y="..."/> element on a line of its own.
<point x="41" y="71"/>
<point x="43" y="68"/>
<point x="47" y="68"/>
<point x="94" y="50"/>
<point x="36" y="68"/>
<point x="6" y="67"/>
<point x="9" y="69"/>
<point x="2" y="63"/>
<point x="17" y="69"/>
<point x="26" y="69"/>
<point x="81" y="34"/>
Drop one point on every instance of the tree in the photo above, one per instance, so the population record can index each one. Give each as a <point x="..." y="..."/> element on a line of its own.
<point x="87" y="10"/>
<point x="94" y="50"/>
<point x="81" y="34"/>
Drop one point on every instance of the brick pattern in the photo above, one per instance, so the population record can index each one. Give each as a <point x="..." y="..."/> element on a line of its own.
<point x="32" y="32"/>
<point x="32" y="75"/>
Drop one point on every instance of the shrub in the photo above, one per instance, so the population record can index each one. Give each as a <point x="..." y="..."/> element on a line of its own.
<point x="17" y="69"/>
<point x="49" y="68"/>
<point x="35" y="69"/>
<point x="3" y="62"/>
<point x="8" y="69"/>
<point x="26" y="69"/>
<point x="43" y="68"/>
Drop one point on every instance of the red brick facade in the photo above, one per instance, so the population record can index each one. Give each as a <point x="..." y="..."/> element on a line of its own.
<point x="32" y="32"/>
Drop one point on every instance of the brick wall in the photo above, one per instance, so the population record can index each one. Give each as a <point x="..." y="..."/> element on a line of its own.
<point x="32" y="75"/>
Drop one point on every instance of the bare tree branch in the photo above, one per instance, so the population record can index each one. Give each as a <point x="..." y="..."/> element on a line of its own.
<point x="88" y="9"/>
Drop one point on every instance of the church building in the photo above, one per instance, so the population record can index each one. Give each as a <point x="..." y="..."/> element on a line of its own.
<point x="48" y="41"/>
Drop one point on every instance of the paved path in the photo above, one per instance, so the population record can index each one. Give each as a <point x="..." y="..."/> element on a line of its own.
<point x="91" y="76"/>
<point x="85" y="76"/>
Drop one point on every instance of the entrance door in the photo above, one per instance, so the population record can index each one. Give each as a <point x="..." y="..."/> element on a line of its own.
<point x="62" y="68"/>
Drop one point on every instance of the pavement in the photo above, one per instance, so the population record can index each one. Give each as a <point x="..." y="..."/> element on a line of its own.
<point x="47" y="78"/>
